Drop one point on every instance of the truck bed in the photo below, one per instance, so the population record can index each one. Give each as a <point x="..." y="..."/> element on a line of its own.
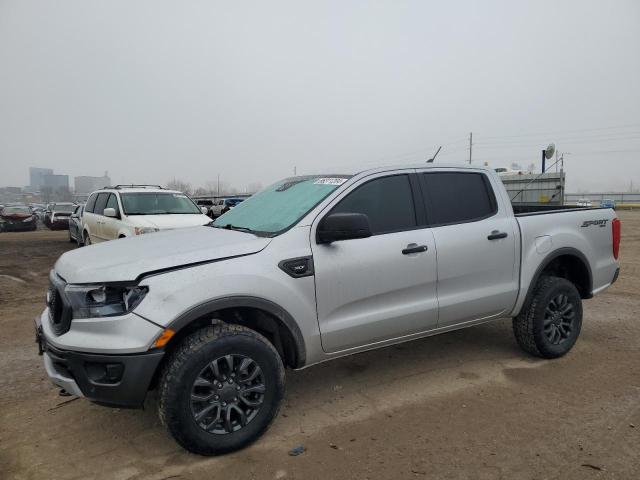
<point x="523" y="210"/>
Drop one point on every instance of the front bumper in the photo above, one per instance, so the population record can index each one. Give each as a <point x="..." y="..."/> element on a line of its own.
<point x="17" y="226"/>
<point x="113" y="380"/>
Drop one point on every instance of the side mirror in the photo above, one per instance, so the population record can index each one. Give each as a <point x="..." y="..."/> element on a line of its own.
<point x="204" y="210"/>
<point x="343" y="226"/>
<point x="110" y="212"/>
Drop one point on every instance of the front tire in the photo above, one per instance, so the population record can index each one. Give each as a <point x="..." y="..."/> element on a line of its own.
<point x="87" y="239"/>
<point x="221" y="389"/>
<point x="550" y="323"/>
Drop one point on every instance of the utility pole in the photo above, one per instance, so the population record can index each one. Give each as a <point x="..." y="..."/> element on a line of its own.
<point x="294" y="170"/>
<point x="470" y="146"/>
<point x="218" y="192"/>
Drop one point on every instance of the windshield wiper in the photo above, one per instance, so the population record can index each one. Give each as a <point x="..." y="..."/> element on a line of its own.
<point x="228" y="226"/>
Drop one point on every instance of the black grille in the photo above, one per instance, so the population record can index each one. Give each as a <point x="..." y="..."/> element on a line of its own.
<point x="59" y="312"/>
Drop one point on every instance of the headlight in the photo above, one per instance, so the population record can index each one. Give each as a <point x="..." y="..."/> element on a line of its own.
<point x="91" y="301"/>
<point x="28" y="219"/>
<point x="143" y="230"/>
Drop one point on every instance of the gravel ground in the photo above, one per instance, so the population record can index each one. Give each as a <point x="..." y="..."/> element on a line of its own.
<point x="463" y="405"/>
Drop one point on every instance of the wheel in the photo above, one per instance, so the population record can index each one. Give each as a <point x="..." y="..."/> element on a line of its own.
<point x="87" y="239"/>
<point x="221" y="389"/>
<point x="549" y="324"/>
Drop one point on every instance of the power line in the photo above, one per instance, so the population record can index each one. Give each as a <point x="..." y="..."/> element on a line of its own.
<point x="563" y="132"/>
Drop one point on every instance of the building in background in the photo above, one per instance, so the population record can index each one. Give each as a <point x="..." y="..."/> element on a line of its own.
<point x="55" y="188"/>
<point x="85" y="185"/>
<point x="36" y="178"/>
<point x="56" y="182"/>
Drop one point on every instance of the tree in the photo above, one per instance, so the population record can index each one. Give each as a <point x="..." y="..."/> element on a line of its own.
<point x="180" y="185"/>
<point x="254" y="187"/>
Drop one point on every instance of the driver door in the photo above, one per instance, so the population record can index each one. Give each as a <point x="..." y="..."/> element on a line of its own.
<point x="111" y="225"/>
<point x="372" y="290"/>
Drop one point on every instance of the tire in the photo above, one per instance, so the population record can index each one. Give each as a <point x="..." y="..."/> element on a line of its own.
<point x="87" y="239"/>
<point x="194" y="359"/>
<point x="549" y="324"/>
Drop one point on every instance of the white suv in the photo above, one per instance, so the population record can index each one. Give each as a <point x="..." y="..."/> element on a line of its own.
<point x="129" y="210"/>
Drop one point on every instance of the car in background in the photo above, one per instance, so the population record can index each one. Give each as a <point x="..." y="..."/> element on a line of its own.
<point x="608" y="203"/>
<point x="584" y="202"/>
<point x="208" y="204"/>
<point x="57" y="215"/>
<point x="38" y="211"/>
<point x="223" y="205"/>
<point x="17" y="218"/>
<point x="75" y="225"/>
<point x="130" y="210"/>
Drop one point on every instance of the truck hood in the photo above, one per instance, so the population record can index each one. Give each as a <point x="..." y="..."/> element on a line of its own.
<point x="16" y="216"/>
<point x="164" y="222"/>
<point x="128" y="258"/>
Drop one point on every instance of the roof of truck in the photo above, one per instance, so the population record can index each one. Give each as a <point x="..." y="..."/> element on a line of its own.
<point x="352" y="171"/>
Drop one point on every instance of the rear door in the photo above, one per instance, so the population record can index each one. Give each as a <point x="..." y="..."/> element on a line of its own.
<point x="371" y="290"/>
<point x="476" y="241"/>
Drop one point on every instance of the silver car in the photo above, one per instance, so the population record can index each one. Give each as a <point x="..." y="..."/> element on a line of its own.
<point x="310" y="269"/>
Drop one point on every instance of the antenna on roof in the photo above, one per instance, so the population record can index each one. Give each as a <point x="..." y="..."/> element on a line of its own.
<point x="435" y="155"/>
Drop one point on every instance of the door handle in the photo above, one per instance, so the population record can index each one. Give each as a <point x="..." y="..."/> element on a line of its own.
<point x="414" y="248"/>
<point x="495" y="235"/>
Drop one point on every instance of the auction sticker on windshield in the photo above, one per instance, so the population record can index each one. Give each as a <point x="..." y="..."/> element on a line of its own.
<point x="330" y="181"/>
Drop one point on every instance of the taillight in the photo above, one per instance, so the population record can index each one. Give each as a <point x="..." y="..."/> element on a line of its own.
<point x="615" y="234"/>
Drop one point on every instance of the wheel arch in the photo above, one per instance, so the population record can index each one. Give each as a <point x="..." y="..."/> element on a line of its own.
<point x="261" y="315"/>
<point x="568" y="263"/>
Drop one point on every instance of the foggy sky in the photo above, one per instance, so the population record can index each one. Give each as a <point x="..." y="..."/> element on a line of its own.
<point x="152" y="90"/>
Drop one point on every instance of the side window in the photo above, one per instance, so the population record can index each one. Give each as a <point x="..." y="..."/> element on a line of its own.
<point x="387" y="201"/>
<point x="458" y="197"/>
<point x="101" y="202"/>
<point x="113" y="203"/>
<point x="91" y="203"/>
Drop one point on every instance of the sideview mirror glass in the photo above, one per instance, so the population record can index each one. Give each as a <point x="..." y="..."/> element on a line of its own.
<point x="110" y="212"/>
<point x="343" y="226"/>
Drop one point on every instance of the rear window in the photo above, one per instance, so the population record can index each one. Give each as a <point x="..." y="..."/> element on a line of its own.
<point x="64" y="208"/>
<point x="458" y="197"/>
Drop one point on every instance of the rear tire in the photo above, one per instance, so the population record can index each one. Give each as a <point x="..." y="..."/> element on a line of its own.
<point x="221" y="389"/>
<point x="549" y="324"/>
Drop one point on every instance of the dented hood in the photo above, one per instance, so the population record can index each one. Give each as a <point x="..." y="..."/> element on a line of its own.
<point x="127" y="259"/>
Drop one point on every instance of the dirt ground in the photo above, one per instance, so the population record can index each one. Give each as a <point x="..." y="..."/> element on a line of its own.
<point x="463" y="405"/>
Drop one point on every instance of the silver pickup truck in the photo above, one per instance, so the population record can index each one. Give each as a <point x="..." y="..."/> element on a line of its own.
<point x="310" y="269"/>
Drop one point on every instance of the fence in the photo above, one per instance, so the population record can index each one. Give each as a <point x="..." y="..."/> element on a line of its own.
<point x="619" y="197"/>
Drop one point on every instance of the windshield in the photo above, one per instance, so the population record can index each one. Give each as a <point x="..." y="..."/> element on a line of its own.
<point x="280" y="206"/>
<point x="158" y="204"/>
<point x="232" y="202"/>
<point x="64" y="208"/>
<point x="9" y="210"/>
